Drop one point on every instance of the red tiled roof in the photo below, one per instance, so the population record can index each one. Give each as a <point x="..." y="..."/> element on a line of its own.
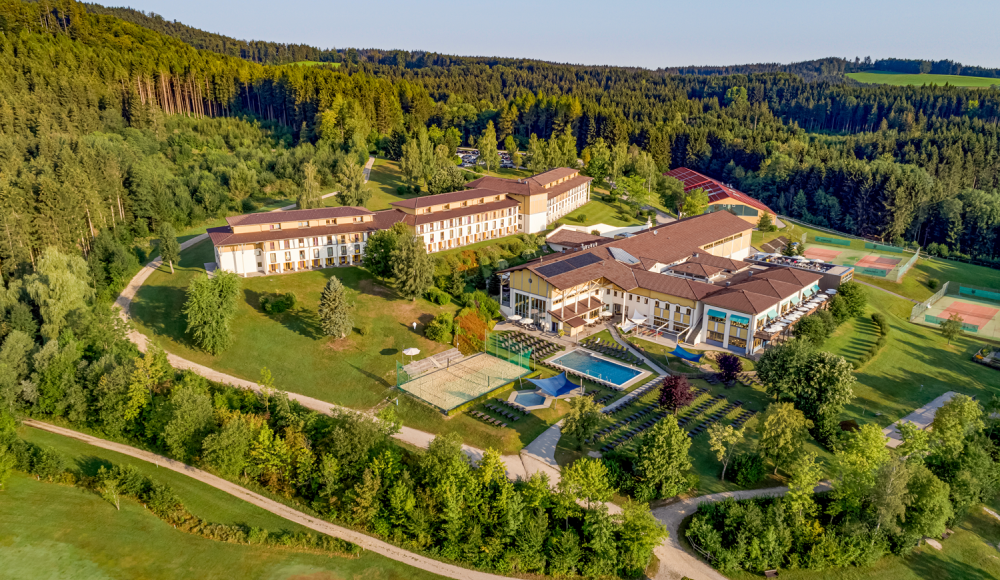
<point x="567" y="237"/>
<point x="426" y="218"/>
<point x="576" y="309"/>
<point x="717" y="191"/>
<point x="296" y="215"/>
<point x="533" y="185"/>
<point x="224" y="236"/>
<point x="443" y="198"/>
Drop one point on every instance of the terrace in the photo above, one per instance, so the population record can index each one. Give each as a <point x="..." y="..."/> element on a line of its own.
<point x="780" y="328"/>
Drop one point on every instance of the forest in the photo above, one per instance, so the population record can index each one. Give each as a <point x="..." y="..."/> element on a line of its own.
<point x="105" y="123"/>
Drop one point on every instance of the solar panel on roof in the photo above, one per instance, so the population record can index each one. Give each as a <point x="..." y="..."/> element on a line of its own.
<point x="623" y="256"/>
<point x="564" y="266"/>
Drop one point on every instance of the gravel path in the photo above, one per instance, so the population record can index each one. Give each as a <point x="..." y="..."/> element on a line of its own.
<point x="515" y="467"/>
<point x="675" y="561"/>
<point x="324" y="527"/>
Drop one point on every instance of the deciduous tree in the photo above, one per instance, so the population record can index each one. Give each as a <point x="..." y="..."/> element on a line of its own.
<point x="487" y="144"/>
<point x="412" y="267"/>
<point x="309" y="196"/>
<point x="783" y="430"/>
<point x="675" y="393"/>
<point x="952" y="327"/>
<point x="723" y="441"/>
<point x="582" y="420"/>
<point x="210" y="308"/>
<point x="662" y="461"/>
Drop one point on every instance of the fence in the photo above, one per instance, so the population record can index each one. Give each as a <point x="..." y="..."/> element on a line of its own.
<point x="402" y="377"/>
<point x="834" y="241"/>
<point x="919" y="309"/>
<point x="979" y="292"/>
<point x="897" y="273"/>
<point x="494" y="348"/>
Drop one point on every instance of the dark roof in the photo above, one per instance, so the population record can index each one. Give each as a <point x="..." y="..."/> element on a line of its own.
<point x="717" y="191"/>
<point x="296" y="215"/>
<point x="718" y="262"/>
<point x="443" y="198"/>
<point x="567" y="237"/>
<point x="696" y="269"/>
<point x="224" y="236"/>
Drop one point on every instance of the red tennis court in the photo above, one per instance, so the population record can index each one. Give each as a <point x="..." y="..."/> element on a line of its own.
<point x="973" y="314"/>
<point x="821" y="254"/>
<point x="878" y="262"/>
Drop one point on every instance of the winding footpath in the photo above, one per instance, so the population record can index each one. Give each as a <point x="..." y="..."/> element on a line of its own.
<point x="515" y="466"/>
<point x="364" y="541"/>
<point x="675" y="561"/>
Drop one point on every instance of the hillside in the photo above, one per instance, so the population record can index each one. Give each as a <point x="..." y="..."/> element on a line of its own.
<point x="904" y="79"/>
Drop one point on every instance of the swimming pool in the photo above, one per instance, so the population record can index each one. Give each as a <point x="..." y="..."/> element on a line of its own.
<point x="529" y="399"/>
<point x="597" y="368"/>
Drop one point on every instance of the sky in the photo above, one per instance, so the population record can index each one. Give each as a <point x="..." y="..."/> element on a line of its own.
<point x="645" y="33"/>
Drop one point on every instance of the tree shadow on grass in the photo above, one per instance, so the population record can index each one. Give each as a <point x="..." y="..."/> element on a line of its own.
<point x="380" y="380"/>
<point x="89" y="465"/>
<point x="160" y="308"/>
<point x="944" y="567"/>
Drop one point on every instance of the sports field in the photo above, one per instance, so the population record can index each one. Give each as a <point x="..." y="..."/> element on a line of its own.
<point x="866" y="261"/>
<point x="981" y="317"/>
<point x="899" y="79"/>
<point x="461" y="382"/>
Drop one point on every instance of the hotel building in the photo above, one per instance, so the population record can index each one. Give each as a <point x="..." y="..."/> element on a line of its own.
<point x="685" y="278"/>
<point x="721" y="197"/>
<point x="542" y="198"/>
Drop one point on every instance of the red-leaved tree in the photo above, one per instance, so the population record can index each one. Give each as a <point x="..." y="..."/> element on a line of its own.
<point x="676" y="393"/>
<point x="730" y="365"/>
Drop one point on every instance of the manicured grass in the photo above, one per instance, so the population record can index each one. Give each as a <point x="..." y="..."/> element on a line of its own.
<point x="383" y="180"/>
<point x="55" y="531"/>
<point x="914" y="283"/>
<point x="599" y="211"/>
<point x="357" y="371"/>
<point x="660" y="354"/>
<point x="853" y="338"/>
<point x="915" y="366"/>
<point x="202" y="500"/>
<point x="969" y="554"/>
<point x="900" y="79"/>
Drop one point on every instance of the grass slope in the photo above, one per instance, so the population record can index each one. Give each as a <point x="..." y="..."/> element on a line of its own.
<point x="53" y="531"/>
<point x="357" y="371"/>
<point x="899" y="79"/>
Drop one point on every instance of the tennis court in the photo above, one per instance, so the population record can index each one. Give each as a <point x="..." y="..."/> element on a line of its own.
<point x="866" y="261"/>
<point x="463" y="381"/>
<point x="978" y="316"/>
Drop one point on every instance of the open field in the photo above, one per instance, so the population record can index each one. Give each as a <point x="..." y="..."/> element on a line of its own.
<point x="357" y="371"/>
<point x="52" y="531"/>
<point x="900" y="79"/>
<point x="313" y="63"/>
<point x="55" y="531"/>
<point x="384" y="179"/>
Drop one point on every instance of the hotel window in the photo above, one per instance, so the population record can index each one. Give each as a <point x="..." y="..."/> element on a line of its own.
<point x="358" y="220"/>
<point x="329" y="239"/>
<point x="331" y="222"/>
<point x="316" y="253"/>
<point x="329" y="252"/>
<point x="288" y="256"/>
<point x="274" y="258"/>
<point x="271" y="246"/>
<point x="343" y="251"/>
<point x="357" y="248"/>
<point x="315" y="241"/>
<point x="646" y="301"/>
<point x="303" y="224"/>
<point x="302" y="242"/>
<point x="302" y="254"/>
<point x="275" y="226"/>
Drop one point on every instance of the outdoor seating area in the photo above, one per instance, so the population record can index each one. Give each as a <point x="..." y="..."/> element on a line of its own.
<point x="642" y="414"/>
<point x="611" y="349"/>
<point x="783" y="325"/>
<point x="595" y="393"/>
<point x="639" y="416"/>
<point x="519" y="342"/>
<point x="510" y="411"/>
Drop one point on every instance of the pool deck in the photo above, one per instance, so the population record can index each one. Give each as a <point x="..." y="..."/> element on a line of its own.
<point x="545" y="404"/>
<point x="622" y="387"/>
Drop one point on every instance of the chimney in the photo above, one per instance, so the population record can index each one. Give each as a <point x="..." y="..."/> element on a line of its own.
<point x="727" y="284"/>
<point x="694" y="255"/>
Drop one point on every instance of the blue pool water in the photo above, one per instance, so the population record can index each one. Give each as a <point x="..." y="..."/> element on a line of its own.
<point x="529" y="399"/>
<point x="598" y="368"/>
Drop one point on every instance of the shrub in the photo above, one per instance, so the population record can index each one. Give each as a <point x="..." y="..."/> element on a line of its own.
<point x="748" y="469"/>
<point x="595" y="232"/>
<point x="364" y="329"/>
<point x="933" y="283"/>
<point x="437" y="296"/>
<point x="581" y="218"/>
<point x="278" y="303"/>
<point x="440" y="329"/>
<point x="882" y="322"/>
<point x="730" y="365"/>
<point x="402" y="190"/>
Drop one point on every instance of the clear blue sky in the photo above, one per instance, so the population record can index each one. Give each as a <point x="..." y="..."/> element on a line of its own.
<point x="647" y="33"/>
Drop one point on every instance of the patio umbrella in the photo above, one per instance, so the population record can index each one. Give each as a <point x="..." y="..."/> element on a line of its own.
<point x="411" y="352"/>
<point x="831" y="291"/>
<point x="513" y="318"/>
<point x="606" y="314"/>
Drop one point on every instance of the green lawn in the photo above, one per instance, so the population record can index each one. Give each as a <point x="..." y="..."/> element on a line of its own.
<point x="313" y="63"/>
<point x="55" y="531"/>
<point x="914" y="367"/>
<point x="358" y="371"/>
<point x="598" y="211"/>
<point x="900" y="79"/>
<point x="385" y="177"/>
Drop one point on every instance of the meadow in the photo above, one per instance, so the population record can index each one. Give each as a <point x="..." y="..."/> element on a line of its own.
<point x="899" y="79"/>
<point x="57" y="531"/>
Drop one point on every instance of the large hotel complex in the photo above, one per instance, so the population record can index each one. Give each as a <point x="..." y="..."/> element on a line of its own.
<point x="687" y="278"/>
<point x="692" y="278"/>
<point x="266" y="243"/>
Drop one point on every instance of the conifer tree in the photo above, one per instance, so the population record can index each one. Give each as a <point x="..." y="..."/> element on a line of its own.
<point x="170" y="250"/>
<point x="334" y="310"/>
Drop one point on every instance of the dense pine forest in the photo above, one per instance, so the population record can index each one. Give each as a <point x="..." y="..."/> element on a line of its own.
<point x="107" y="126"/>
